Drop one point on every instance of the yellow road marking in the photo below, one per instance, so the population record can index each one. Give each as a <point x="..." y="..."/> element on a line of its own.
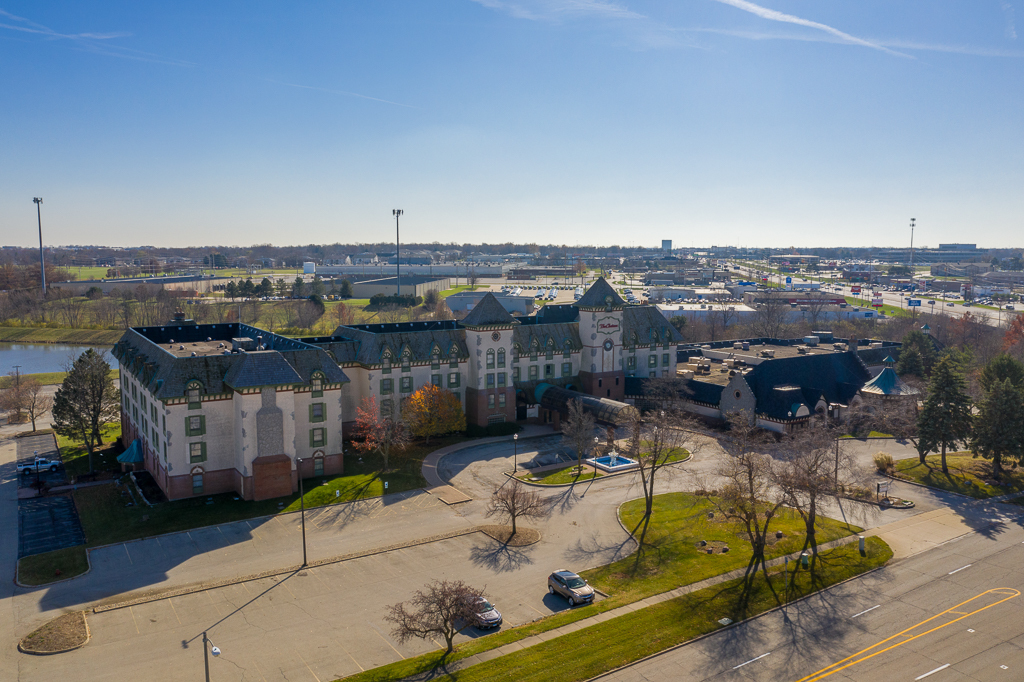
<point x="863" y="655"/>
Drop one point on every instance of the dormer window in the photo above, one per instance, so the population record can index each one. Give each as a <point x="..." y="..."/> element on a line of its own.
<point x="316" y="384"/>
<point x="406" y="361"/>
<point x="193" y="393"/>
<point x="386" y="364"/>
<point x="435" y="358"/>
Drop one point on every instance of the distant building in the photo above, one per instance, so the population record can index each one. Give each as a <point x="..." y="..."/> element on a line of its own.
<point x="666" y="244"/>
<point x="464" y="301"/>
<point x="388" y="286"/>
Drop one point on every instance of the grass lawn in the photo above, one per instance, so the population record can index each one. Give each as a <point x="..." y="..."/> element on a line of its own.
<point x="462" y="287"/>
<point x="106" y="519"/>
<point x="967" y="475"/>
<point x="613" y="643"/>
<point x="891" y="311"/>
<point x="672" y="559"/>
<point x="40" y="569"/>
<point x="84" y="337"/>
<point x="76" y="457"/>
<point x="560" y="476"/>
<point x="871" y="434"/>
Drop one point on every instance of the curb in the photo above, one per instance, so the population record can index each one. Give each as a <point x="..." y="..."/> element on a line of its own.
<point x="180" y="591"/>
<point x="948" y="492"/>
<point x="86" y="572"/>
<point x="88" y="636"/>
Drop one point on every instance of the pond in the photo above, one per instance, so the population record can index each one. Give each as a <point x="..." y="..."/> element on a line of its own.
<point x="36" y="358"/>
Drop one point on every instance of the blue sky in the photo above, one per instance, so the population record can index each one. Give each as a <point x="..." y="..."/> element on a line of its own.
<point x="780" y="122"/>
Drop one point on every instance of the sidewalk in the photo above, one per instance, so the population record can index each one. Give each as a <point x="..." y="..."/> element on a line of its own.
<point x="906" y="537"/>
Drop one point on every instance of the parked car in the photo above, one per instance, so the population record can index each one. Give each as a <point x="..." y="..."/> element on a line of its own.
<point x="36" y="465"/>
<point x="487" y="616"/>
<point x="574" y="588"/>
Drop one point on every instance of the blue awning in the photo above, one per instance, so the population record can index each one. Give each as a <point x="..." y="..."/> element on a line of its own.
<point x="133" y="455"/>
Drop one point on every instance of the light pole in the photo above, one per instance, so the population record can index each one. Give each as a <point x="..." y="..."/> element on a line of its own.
<point x="208" y="649"/>
<point x="302" y="508"/>
<point x="42" y="266"/>
<point x="398" y="257"/>
<point x="515" y="453"/>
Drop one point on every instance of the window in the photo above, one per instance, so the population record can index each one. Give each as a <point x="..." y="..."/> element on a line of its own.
<point x="490" y="401"/>
<point x="196" y="453"/>
<point x="317" y="437"/>
<point x="135" y="396"/>
<point x="654" y="373"/>
<point x="387" y="386"/>
<point x="652" y="360"/>
<point x="436" y="380"/>
<point x="435" y="359"/>
<point x="406" y="384"/>
<point x="501" y="380"/>
<point x="490" y="381"/>
<point x="385" y="366"/>
<point x="453" y="380"/>
<point x="566" y="369"/>
<point x="195" y="426"/>
<point x="165" y="451"/>
<point x="549" y="371"/>
<point x="318" y="466"/>
<point x="664" y="360"/>
<point x="600" y="383"/>
<point x="566" y="349"/>
<point x="453" y="357"/>
<point x="515" y="374"/>
<point x="501" y="400"/>
<point x="406" y="362"/>
<point x="316" y="385"/>
<point x="533" y="372"/>
<point x="193" y="393"/>
<point x="501" y="357"/>
<point x="135" y="413"/>
<point x="458" y="396"/>
<point x="490" y="358"/>
<point x="156" y="438"/>
<point x="631" y="363"/>
<point x="533" y="355"/>
<point x="317" y="412"/>
<point x="387" y="408"/>
<point x="152" y="410"/>
<point x="197" y="484"/>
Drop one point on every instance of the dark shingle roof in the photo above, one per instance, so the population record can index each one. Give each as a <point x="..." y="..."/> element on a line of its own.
<point x="367" y="347"/>
<point x="834" y="376"/>
<point x="488" y="312"/>
<point x="601" y="295"/>
<point x="641" y="320"/>
<point x="559" y="334"/>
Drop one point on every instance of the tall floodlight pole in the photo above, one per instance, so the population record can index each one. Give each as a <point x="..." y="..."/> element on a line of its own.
<point x="912" y="221"/>
<point x="42" y="266"/>
<point x="398" y="257"/>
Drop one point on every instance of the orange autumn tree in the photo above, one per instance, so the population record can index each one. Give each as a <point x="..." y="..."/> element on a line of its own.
<point x="433" y="411"/>
<point x="1013" y="339"/>
<point x="375" y="432"/>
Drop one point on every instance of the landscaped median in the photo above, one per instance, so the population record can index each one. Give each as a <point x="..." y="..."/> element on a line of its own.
<point x="967" y="475"/>
<point x="675" y="556"/>
<point x="571" y="474"/>
<point x="50" y="567"/>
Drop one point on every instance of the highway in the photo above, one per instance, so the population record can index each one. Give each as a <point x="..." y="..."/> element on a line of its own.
<point x="949" y="614"/>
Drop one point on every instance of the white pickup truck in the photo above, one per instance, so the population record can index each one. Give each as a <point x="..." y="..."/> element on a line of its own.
<point x="38" y="464"/>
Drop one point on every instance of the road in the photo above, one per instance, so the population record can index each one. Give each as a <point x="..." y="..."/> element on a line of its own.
<point x="955" y="612"/>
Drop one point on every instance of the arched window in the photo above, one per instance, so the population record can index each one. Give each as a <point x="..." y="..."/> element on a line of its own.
<point x="386" y="362"/>
<point x="501" y="357"/>
<point x="435" y="358"/>
<point x="193" y="393"/>
<point x="406" y="360"/>
<point x="566" y="348"/>
<point x="490" y="358"/>
<point x="316" y="384"/>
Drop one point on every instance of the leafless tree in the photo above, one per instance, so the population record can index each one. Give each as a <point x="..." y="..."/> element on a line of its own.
<point x="667" y="393"/>
<point x="344" y="315"/>
<point x="749" y="494"/>
<point x="69" y="308"/>
<point x="578" y="430"/>
<point x="445" y="608"/>
<point x="12" y="399"/>
<point x="105" y="311"/>
<point x="442" y="311"/>
<point x="34" y="400"/>
<point x="770" y="317"/>
<point x="513" y="501"/>
<point x="655" y="439"/>
<point x="391" y="313"/>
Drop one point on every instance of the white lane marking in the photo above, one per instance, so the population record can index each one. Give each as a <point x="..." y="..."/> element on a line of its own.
<point x="931" y="672"/>
<point x="865" y="611"/>
<point x="750" y="661"/>
<point x="959" y="569"/>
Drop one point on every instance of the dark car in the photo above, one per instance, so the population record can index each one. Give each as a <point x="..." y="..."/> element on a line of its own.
<point x="574" y="588"/>
<point x="487" y="616"/>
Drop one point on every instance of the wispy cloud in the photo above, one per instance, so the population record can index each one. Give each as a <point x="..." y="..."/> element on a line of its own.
<point x="90" y="42"/>
<point x="339" y="92"/>
<point x="774" y="15"/>
<point x="1011" y="27"/>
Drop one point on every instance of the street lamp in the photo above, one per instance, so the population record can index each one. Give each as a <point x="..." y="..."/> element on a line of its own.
<point x="398" y="256"/>
<point x="515" y="453"/>
<point x="302" y="508"/>
<point x="208" y="649"/>
<point x="39" y="216"/>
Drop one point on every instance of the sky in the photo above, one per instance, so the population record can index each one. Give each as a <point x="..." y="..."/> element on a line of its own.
<point x="708" y="122"/>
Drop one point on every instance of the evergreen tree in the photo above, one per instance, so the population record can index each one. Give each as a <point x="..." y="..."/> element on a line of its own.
<point x="266" y="287"/>
<point x="910" y="363"/>
<point x="346" y="289"/>
<point x="945" y="420"/>
<point x="997" y="427"/>
<point x="85" y="401"/>
<point x="1002" y="367"/>
<point x="919" y="340"/>
<point x="231" y="289"/>
<point x="298" y="288"/>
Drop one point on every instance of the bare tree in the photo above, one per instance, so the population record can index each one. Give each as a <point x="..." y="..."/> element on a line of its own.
<point x="578" y="431"/>
<point x="442" y="311"/>
<point x="513" y="501"/>
<point x="344" y="315"/>
<point x="445" y="608"/>
<point x="749" y="494"/>
<point x="12" y="399"/>
<point x="770" y="317"/>
<point x="70" y="308"/>
<point x="391" y="313"/>
<point x="105" y="311"/>
<point x="34" y="400"/>
<point x="654" y="441"/>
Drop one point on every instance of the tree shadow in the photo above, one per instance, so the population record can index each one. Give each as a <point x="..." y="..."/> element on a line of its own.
<point x="499" y="557"/>
<point x="592" y="548"/>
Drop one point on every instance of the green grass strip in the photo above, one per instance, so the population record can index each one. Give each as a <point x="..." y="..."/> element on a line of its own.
<point x="60" y="564"/>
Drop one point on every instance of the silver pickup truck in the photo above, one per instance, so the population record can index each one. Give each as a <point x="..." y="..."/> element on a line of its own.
<point x="38" y="464"/>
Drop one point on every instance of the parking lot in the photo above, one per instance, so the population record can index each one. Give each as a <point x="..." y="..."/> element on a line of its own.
<point x="44" y="445"/>
<point x="48" y="523"/>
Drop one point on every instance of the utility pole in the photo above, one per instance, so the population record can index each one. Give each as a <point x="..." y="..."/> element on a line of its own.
<point x="912" y="221"/>
<point x="42" y="265"/>
<point x="398" y="256"/>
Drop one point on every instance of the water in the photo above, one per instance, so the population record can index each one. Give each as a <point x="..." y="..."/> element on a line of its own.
<point x="36" y="358"/>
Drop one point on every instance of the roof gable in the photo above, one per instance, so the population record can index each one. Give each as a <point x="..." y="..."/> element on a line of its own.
<point x="489" y="313"/>
<point x="601" y="295"/>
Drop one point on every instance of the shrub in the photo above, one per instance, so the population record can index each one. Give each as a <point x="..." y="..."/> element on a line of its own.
<point x="884" y="462"/>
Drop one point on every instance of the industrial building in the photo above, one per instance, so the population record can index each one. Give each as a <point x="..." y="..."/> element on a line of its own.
<point x="411" y="285"/>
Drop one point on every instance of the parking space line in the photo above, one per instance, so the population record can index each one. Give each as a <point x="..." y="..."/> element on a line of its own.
<point x="125" y="545"/>
<point x="387" y="642"/>
<point x="931" y="672"/>
<point x="134" y="622"/>
<point x="737" y="667"/>
<point x="865" y="611"/>
<point x="307" y="666"/>
<point x="959" y="569"/>
<point x="174" y="611"/>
